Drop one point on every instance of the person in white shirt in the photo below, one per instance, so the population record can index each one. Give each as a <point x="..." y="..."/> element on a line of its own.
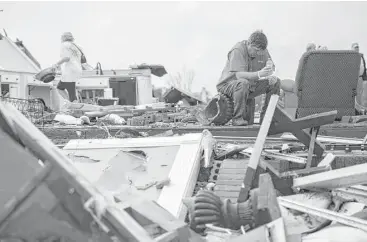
<point x="71" y="65"/>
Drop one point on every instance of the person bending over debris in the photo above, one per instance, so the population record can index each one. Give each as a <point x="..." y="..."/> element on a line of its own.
<point x="247" y="74"/>
<point x="71" y="65"/>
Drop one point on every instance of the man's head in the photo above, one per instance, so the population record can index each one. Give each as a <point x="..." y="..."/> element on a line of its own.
<point x="257" y="42"/>
<point x="355" y="47"/>
<point x="67" y="36"/>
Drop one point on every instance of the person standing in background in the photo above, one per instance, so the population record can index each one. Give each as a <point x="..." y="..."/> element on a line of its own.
<point x="310" y="47"/>
<point x="362" y="72"/>
<point x="361" y="98"/>
<point x="71" y="62"/>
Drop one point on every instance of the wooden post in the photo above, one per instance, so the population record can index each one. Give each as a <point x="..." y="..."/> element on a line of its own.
<point x="258" y="148"/>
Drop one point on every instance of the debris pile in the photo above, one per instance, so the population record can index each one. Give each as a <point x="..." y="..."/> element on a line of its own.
<point x="301" y="186"/>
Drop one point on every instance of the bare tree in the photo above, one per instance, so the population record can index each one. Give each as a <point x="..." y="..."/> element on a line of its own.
<point x="182" y="79"/>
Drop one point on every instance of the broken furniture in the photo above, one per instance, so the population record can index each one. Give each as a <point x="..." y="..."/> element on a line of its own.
<point x="276" y="121"/>
<point x="66" y="196"/>
<point x="326" y="80"/>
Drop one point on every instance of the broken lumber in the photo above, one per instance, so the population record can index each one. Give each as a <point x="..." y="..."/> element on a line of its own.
<point x="122" y="224"/>
<point x="285" y="123"/>
<point x="323" y="213"/>
<point x="273" y="231"/>
<point x="343" y="177"/>
<point x="267" y="203"/>
<point x="328" y="159"/>
<point x="101" y="207"/>
<point x="328" y="139"/>
<point x="258" y="147"/>
<point x="84" y="144"/>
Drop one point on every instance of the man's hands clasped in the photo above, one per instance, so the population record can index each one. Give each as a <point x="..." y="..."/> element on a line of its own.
<point x="266" y="73"/>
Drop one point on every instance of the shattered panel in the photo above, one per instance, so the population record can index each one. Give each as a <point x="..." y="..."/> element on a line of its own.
<point x="126" y="172"/>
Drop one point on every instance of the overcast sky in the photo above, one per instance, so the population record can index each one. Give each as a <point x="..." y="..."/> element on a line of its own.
<point x="197" y="35"/>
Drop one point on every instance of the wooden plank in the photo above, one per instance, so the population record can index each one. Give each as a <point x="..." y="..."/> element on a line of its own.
<point x="343" y="177"/>
<point x="311" y="121"/>
<point x="151" y="211"/>
<point x="229" y="182"/>
<point x="229" y="153"/>
<point x="302" y="172"/>
<point x="280" y="156"/>
<point x="123" y="225"/>
<point x="294" y="173"/>
<point x="132" y="143"/>
<point x="328" y="139"/>
<point x="258" y="147"/>
<point x="267" y="204"/>
<point x="328" y="159"/>
<point x="302" y="135"/>
<point x="271" y="232"/>
<point x="323" y="213"/>
<point x="357" y="193"/>
<point x="183" y="176"/>
<point x="229" y="188"/>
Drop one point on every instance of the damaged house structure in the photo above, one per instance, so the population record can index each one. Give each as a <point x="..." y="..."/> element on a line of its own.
<point x="17" y="69"/>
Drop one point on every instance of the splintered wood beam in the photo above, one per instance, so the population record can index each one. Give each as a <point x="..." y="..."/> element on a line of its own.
<point x="295" y="173"/>
<point x="328" y="159"/>
<point x="286" y="122"/>
<point x="273" y="231"/>
<point x="151" y="212"/>
<point x="267" y="203"/>
<point x="323" y="213"/>
<point x="257" y="150"/>
<point x="303" y="136"/>
<point x="343" y="177"/>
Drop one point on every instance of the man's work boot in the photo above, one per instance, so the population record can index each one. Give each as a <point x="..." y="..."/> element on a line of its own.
<point x="239" y="122"/>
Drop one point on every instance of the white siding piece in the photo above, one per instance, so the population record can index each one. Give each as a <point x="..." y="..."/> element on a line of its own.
<point x="133" y="142"/>
<point x="183" y="177"/>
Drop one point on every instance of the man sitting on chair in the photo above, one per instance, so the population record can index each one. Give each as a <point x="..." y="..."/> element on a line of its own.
<point x="247" y="74"/>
